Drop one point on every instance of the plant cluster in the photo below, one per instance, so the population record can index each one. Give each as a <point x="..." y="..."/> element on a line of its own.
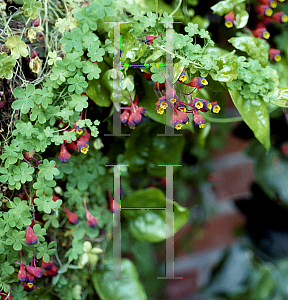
<point x="53" y="161"/>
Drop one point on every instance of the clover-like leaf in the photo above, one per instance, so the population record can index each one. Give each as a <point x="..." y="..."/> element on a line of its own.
<point x="92" y="70"/>
<point x="87" y="18"/>
<point x="59" y="72"/>
<point x="72" y="39"/>
<point x="77" y="84"/>
<point x="78" y="102"/>
<point x="31" y="8"/>
<point x="27" y="100"/>
<point x="102" y="7"/>
<point x="73" y="60"/>
<point x="7" y="63"/>
<point x="48" y="169"/>
<point x="17" y="46"/>
<point x="53" y="58"/>
<point x="23" y="172"/>
<point x="96" y="53"/>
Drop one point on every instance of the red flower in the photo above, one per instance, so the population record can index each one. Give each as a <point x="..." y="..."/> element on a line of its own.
<point x="22" y="275"/>
<point x="198" y="82"/>
<point x="46" y="265"/>
<point x="261" y="33"/>
<point x="150" y="38"/>
<point x="53" y="271"/>
<point x="71" y="147"/>
<point x="35" y="271"/>
<point x="215" y="107"/>
<point x="31" y="237"/>
<point x="91" y="220"/>
<point x="229" y="19"/>
<point x="264" y="10"/>
<point x="275" y="54"/>
<point x="72" y="218"/>
<point x="29" y="287"/>
<point x="124" y="116"/>
<point x="271" y="3"/>
<point x="64" y="154"/>
<point x="30" y="278"/>
<point x="199" y="120"/>
<point x="280" y="17"/>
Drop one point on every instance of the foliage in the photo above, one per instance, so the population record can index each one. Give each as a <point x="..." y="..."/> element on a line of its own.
<point x="52" y="161"/>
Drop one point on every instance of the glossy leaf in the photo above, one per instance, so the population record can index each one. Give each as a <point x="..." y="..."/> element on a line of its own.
<point x="149" y="225"/>
<point x="253" y="47"/>
<point x="146" y="150"/>
<point x="225" y="7"/>
<point x="119" y="289"/>
<point x="255" y="114"/>
<point x="241" y="18"/>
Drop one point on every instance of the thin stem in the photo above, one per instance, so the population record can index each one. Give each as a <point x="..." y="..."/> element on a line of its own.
<point x="222" y="120"/>
<point x="179" y="4"/>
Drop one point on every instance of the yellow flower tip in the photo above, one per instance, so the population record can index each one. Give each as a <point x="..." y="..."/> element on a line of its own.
<point x="199" y="104"/>
<point x="173" y="100"/>
<point x="146" y="114"/>
<point x="183" y="109"/>
<point x="202" y="126"/>
<point x="163" y="105"/>
<point x="216" y="109"/>
<point x="273" y="4"/>
<point x="187" y="123"/>
<point x="132" y="127"/>
<point x="268" y="12"/>
<point x="183" y="78"/>
<point x="178" y="126"/>
<point x="84" y="150"/>
<point x="160" y="111"/>
<point x="284" y="18"/>
<point x="30" y="284"/>
<point x="277" y="58"/>
<point x="204" y="81"/>
<point x="228" y="24"/>
<point x="209" y="105"/>
<point x="266" y="35"/>
<point x="79" y="131"/>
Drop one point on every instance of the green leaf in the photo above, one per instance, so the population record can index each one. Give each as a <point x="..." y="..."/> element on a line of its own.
<point x="48" y="170"/>
<point x="253" y="47"/>
<point x="149" y="225"/>
<point x="17" y="46"/>
<point x="225" y="7"/>
<point x="241" y="18"/>
<point x="31" y="8"/>
<point x="144" y="149"/>
<point x="27" y="101"/>
<point x="7" y="63"/>
<point x="119" y="289"/>
<point x="78" y="102"/>
<point x="279" y="97"/>
<point x="255" y="114"/>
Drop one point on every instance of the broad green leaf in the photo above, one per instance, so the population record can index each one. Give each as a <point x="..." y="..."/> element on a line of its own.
<point x="154" y="56"/>
<point x="119" y="289"/>
<point x="254" y="47"/>
<point x="241" y="18"/>
<point x="144" y="149"/>
<point x="225" y="7"/>
<point x="149" y="225"/>
<point x="255" y="114"/>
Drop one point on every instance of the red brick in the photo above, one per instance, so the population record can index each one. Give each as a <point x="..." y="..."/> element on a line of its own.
<point x="178" y="288"/>
<point x="218" y="232"/>
<point x="233" y="180"/>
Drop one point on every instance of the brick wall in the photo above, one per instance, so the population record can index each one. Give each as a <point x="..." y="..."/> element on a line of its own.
<point x="232" y="179"/>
